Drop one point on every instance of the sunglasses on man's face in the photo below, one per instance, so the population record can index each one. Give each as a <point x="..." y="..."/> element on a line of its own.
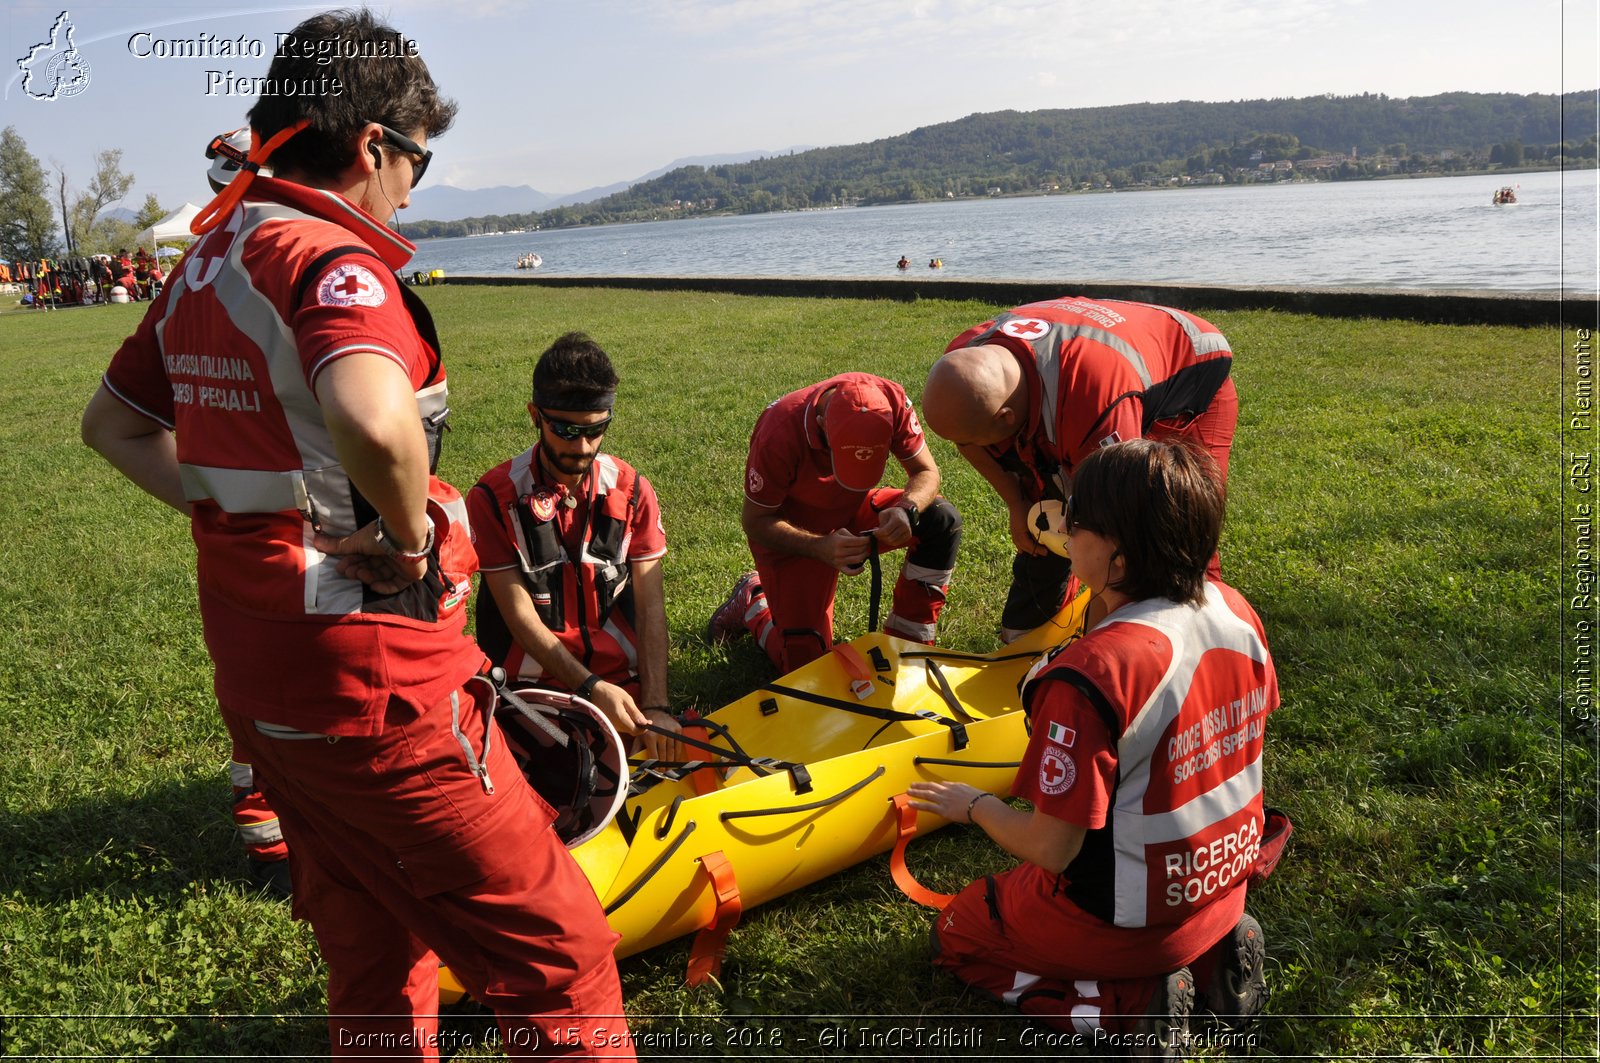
<point x="572" y="429"/>
<point x="420" y="156"/>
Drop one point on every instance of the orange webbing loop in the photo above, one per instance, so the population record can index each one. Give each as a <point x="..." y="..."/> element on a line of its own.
<point x="856" y="667"/>
<point x="223" y="203"/>
<point x="897" y="860"/>
<point x="705" y="957"/>
<point x="708" y="779"/>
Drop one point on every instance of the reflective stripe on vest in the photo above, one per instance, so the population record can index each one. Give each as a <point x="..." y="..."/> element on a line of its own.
<point x="1047" y="357"/>
<point x="1192" y="633"/>
<point x="1204" y="343"/>
<point x="320" y="490"/>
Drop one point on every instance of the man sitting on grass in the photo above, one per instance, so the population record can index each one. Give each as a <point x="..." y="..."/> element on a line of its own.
<point x="570" y="545"/>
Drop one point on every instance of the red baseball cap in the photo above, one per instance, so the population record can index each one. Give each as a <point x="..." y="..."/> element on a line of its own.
<point x="859" y="424"/>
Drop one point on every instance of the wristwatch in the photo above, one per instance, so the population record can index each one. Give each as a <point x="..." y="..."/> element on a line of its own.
<point x="586" y="688"/>
<point x="386" y="541"/>
<point x="913" y="514"/>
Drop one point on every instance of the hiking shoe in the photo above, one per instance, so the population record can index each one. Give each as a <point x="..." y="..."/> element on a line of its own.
<point x="1238" y="989"/>
<point x="1163" y="1033"/>
<point x="728" y="621"/>
<point x="271" y="877"/>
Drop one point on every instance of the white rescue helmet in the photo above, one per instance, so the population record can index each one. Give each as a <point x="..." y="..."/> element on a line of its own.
<point x="227" y="151"/>
<point x="571" y="754"/>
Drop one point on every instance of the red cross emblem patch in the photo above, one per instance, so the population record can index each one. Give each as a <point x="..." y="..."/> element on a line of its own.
<point x="351" y="285"/>
<point x="1025" y="328"/>
<point x="1057" y="772"/>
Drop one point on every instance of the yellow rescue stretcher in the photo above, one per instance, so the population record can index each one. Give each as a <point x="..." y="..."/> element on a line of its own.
<point x="830" y="746"/>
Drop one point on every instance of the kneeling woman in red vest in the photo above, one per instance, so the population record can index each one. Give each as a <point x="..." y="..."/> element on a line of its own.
<point x="1144" y="770"/>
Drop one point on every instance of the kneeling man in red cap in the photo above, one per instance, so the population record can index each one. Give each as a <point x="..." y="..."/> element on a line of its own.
<point x="813" y="509"/>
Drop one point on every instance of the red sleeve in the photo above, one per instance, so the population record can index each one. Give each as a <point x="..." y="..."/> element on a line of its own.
<point x="771" y="468"/>
<point x="648" y="538"/>
<point x="354" y="305"/>
<point x="496" y="550"/>
<point x="1070" y="767"/>
<point x="908" y="440"/>
<point x="136" y="374"/>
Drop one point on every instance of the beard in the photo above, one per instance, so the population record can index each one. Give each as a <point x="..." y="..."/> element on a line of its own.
<point x="569" y="464"/>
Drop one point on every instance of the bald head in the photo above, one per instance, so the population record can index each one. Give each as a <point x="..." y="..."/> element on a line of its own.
<point x="976" y="396"/>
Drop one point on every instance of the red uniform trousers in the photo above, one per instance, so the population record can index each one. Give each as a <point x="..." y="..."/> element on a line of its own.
<point x="1010" y="936"/>
<point x="797" y="625"/>
<point x="402" y="859"/>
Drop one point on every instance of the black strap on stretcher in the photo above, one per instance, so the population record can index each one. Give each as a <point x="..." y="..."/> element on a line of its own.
<point x="730" y="758"/>
<point x="958" y="730"/>
<point x="877" y="585"/>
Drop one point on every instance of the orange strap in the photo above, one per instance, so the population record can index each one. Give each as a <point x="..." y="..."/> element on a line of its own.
<point x="223" y="203"/>
<point x="855" y="666"/>
<point x="897" y="860"/>
<point x="705" y="957"/>
<point x="702" y="780"/>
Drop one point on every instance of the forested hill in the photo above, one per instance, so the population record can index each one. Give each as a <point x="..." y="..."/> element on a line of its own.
<point x="1145" y="144"/>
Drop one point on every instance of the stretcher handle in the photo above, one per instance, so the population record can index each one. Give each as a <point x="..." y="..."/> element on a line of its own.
<point x="954" y="762"/>
<point x="711" y="943"/>
<point x="655" y="865"/>
<point x="808" y="807"/>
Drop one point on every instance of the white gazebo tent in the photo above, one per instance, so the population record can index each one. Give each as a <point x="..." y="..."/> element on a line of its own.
<point x="174" y="226"/>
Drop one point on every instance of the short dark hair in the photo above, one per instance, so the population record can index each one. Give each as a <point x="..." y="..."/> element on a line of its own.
<point x="573" y="374"/>
<point x="381" y="80"/>
<point x="1162" y="503"/>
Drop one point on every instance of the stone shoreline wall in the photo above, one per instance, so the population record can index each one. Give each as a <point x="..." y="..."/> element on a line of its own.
<point x="1440" y="307"/>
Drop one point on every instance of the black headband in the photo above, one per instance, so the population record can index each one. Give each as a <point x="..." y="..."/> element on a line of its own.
<point x="574" y="401"/>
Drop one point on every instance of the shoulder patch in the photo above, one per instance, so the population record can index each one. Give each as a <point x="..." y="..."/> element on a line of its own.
<point x="755" y="481"/>
<point x="351" y="285"/>
<point x="1057" y="771"/>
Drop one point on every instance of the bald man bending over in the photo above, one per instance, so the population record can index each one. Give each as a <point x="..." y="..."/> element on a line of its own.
<point x="1027" y="396"/>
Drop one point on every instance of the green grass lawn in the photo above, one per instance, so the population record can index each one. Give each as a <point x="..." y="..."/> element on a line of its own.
<point x="1394" y="518"/>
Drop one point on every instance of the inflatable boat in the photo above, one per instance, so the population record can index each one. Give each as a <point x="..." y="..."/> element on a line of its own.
<point x="802" y="783"/>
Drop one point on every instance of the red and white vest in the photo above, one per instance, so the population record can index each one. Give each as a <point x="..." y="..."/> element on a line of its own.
<point x="286" y="464"/>
<point x="1186" y="692"/>
<point x="228" y="356"/>
<point x="585" y="601"/>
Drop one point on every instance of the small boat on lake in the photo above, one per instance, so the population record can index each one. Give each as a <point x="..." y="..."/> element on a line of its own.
<point x="1505" y="196"/>
<point x="529" y="261"/>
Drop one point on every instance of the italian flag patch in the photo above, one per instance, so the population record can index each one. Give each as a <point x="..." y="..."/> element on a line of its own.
<point x="1062" y="735"/>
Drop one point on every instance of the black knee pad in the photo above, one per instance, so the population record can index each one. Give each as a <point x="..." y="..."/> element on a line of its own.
<point x="938" y="536"/>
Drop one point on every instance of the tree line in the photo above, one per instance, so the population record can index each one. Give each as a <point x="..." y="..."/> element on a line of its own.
<point x="43" y="216"/>
<point x="1128" y="146"/>
<point x="1001" y="153"/>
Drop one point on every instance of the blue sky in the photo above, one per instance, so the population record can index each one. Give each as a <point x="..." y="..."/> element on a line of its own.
<point x="564" y="95"/>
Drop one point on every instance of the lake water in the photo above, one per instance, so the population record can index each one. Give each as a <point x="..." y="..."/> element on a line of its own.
<point x="1426" y="233"/>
